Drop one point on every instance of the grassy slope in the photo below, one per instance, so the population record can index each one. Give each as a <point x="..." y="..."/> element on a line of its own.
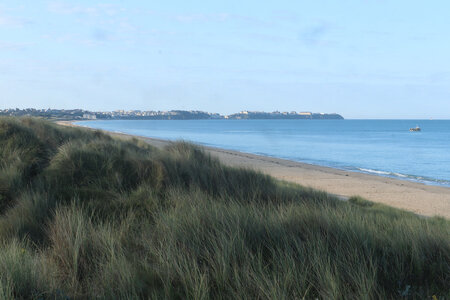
<point x="84" y="215"/>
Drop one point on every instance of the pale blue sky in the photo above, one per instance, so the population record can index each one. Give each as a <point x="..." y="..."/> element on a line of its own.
<point x="363" y="59"/>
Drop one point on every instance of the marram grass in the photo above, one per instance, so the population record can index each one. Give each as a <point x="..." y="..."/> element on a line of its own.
<point x="87" y="216"/>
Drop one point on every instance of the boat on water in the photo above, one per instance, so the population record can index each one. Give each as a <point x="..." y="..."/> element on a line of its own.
<point x="417" y="128"/>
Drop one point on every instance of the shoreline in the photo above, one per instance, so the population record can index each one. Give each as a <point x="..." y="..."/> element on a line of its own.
<point x="419" y="198"/>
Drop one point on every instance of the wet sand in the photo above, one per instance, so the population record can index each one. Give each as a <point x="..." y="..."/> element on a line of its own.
<point x="415" y="197"/>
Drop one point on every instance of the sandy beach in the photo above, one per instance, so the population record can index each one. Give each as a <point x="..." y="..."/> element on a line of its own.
<point x="419" y="198"/>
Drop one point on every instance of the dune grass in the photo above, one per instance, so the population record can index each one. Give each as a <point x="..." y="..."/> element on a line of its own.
<point x="84" y="215"/>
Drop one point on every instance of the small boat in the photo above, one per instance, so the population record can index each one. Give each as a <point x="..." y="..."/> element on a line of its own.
<point x="415" y="129"/>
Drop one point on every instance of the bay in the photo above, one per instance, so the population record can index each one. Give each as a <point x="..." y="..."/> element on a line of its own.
<point x="381" y="147"/>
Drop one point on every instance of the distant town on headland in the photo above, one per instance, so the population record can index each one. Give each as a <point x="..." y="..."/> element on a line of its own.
<point x="80" y="114"/>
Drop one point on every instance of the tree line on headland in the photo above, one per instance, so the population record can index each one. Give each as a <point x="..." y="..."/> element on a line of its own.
<point x="80" y="114"/>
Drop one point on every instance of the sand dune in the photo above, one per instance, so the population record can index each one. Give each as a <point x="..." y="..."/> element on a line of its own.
<point x="416" y="197"/>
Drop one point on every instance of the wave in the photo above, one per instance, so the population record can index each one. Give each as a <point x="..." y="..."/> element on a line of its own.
<point x="415" y="178"/>
<point x="375" y="171"/>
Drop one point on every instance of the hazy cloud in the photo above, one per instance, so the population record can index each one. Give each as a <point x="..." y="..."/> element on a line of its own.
<point x="11" y="21"/>
<point x="13" y="46"/>
<point x="95" y="18"/>
<point x="95" y="10"/>
<point x="287" y="16"/>
<point x="314" y="34"/>
<point x="220" y="17"/>
<point x="188" y="18"/>
<point x="271" y="38"/>
<point x="439" y="77"/>
<point x="100" y="35"/>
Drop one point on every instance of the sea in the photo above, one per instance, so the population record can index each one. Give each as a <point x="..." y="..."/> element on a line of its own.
<point x="380" y="147"/>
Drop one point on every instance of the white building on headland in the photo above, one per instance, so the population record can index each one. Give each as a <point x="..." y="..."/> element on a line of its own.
<point x="89" y="116"/>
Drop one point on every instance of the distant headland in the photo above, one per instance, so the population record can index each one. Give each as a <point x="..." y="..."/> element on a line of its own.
<point x="80" y="114"/>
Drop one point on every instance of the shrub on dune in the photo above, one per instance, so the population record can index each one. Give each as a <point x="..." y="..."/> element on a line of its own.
<point x="23" y="272"/>
<point x="100" y="171"/>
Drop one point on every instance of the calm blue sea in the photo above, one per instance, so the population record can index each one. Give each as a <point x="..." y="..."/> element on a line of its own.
<point x="383" y="147"/>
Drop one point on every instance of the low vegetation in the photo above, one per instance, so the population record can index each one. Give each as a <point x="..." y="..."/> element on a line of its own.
<point x="84" y="215"/>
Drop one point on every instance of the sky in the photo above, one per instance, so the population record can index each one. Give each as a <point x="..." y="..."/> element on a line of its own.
<point x="360" y="58"/>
